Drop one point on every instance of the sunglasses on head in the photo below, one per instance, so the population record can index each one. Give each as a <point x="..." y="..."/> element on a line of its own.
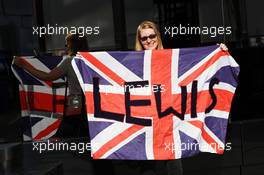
<point x="152" y="36"/>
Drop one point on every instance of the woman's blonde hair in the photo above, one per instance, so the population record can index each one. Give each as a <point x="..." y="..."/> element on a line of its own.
<point x="147" y="25"/>
<point x="76" y="43"/>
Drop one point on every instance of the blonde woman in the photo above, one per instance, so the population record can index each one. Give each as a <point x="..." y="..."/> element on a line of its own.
<point x="148" y="37"/>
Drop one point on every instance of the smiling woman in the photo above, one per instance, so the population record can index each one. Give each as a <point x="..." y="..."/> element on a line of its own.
<point x="148" y="37"/>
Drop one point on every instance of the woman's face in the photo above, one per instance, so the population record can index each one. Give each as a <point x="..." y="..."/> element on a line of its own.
<point x="148" y="39"/>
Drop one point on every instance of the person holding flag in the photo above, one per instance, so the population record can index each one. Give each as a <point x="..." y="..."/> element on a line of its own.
<point x="148" y="38"/>
<point x="73" y="123"/>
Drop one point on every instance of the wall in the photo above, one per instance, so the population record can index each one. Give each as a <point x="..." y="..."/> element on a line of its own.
<point x="16" y="21"/>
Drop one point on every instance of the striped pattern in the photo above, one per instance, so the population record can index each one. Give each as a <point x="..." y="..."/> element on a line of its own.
<point x="169" y="137"/>
<point x="42" y="105"/>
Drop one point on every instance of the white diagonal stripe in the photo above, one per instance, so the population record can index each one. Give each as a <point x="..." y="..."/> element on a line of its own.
<point x="190" y="130"/>
<point x="108" y="134"/>
<point x="208" y="57"/>
<point x="95" y="69"/>
<point x="218" y="114"/>
<point x="210" y="71"/>
<point x="124" y="142"/>
<point x="41" y="125"/>
<point x="116" y="66"/>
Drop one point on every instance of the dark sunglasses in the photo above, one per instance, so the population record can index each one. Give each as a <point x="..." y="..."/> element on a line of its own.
<point x="152" y="36"/>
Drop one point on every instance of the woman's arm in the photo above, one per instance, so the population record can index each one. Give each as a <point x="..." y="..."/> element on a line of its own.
<point x="54" y="74"/>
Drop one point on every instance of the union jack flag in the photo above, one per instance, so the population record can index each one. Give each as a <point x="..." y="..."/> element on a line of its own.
<point x="42" y="102"/>
<point x="160" y="104"/>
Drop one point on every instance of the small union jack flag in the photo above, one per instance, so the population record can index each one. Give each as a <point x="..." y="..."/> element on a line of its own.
<point x="160" y="104"/>
<point x="42" y="102"/>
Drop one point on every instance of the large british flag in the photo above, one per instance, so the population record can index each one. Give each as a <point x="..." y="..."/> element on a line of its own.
<point x="42" y="102"/>
<point x="160" y="104"/>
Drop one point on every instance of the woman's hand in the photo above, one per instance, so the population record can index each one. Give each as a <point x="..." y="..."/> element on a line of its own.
<point x="223" y="47"/>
